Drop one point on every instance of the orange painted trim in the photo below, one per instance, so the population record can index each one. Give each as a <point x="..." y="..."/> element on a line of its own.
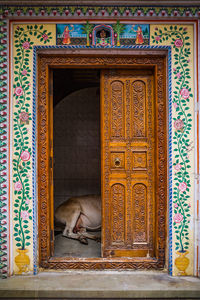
<point x="197" y="48"/>
<point x="198" y="144"/>
<point x="197" y="124"/>
<point x="197" y="265"/>
<point x="197" y="51"/>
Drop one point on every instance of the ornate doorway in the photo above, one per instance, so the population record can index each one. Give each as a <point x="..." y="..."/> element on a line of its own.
<point x="133" y="160"/>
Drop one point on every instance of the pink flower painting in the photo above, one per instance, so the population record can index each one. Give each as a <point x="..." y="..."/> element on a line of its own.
<point x="178" y="218"/>
<point x="175" y="105"/>
<point x="24" y="72"/>
<point x="178" y="124"/>
<point x="177" y="167"/>
<point x="25" y="155"/>
<point x="178" y="43"/>
<point x="182" y="186"/>
<point x="26" y="45"/>
<point x="27" y="201"/>
<point x="157" y="38"/>
<point x="178" y="75"/>
<point x="24" y="215"/>
<point x="18" y="186"/>
<point x="24" y="117"/>
<point x="176" y="205"/>
<point x="185" y="93"/>
<point x="18" y="91"/>
<point x="45" y="36"/>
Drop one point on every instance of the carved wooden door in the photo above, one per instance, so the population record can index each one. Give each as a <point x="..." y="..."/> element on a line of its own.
<point x="128" y="163"/>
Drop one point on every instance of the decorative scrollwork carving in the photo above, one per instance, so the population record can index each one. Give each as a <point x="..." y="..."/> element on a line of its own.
<point x="139" y="107"/>
<point x="117" y="110"/>
<point x="117" y="208"/>
<point x="139" y="213"/>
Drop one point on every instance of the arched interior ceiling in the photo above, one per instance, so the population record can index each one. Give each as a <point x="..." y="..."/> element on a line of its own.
<point x="66" y="81"/>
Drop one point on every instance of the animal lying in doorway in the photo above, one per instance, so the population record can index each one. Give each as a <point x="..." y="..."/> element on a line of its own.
<point x="79" y="214"/>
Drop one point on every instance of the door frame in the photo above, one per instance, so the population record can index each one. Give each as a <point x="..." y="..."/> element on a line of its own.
<point x="99" y="58"/>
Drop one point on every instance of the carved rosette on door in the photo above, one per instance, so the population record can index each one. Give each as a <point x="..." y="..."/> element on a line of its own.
<point x="129" y="163"/>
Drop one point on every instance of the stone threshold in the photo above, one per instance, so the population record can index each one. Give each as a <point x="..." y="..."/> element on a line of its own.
<point x="80" y="284"/>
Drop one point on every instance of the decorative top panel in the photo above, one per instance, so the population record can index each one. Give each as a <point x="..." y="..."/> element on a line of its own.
<point x="103" y="35"/>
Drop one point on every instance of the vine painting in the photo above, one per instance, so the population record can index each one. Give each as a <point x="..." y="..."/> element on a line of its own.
<point x="179" y="38"/>
<point x="22" y="166"/>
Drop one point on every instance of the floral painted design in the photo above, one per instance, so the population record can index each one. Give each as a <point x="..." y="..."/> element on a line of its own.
<point x="178" y="218"/>
<point x="182" y="186"/>
<point x="26" y="45"/>
<point x="17" y="186"/>
<point x="24" y="72"/>
<point x="178" y="124"/>
<point x="25" y="155"/>
<point x="185" y="93"/>
<point x="22" y="116"/>
<point x="177" y="167"/>
<point x="182" y="96"/>
<point x="18" y="91"/>
<point x="178" y="43"/>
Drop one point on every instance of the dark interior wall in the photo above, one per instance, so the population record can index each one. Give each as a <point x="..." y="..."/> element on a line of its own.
<point x="77" y="145"/>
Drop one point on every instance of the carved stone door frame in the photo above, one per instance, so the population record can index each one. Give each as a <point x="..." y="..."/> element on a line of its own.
<point x="102" y="59"/>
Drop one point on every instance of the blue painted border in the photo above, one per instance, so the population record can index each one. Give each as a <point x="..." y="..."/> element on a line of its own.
<point x="170" y="190"/>
<point x="34" y="164"/>
<point x="34" y="136"/>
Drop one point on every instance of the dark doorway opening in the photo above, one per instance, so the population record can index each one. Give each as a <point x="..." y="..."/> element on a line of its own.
<point x="76" y="147"/>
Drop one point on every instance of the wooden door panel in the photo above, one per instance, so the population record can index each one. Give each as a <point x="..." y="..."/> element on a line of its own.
<point x="128" y="171"/>
<point x="139" y="208"/>
<point x="117" y="209"/>
<point x="117" y="108"/>
<point x="138" y="109"/>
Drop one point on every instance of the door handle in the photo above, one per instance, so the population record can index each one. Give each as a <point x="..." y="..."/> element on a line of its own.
<point x="117" y="162"/>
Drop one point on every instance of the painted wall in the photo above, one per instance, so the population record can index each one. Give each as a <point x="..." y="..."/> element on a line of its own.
<point x="182" y="96"/>
<point x="181" y="208"/>
<point x="24" y="38"/>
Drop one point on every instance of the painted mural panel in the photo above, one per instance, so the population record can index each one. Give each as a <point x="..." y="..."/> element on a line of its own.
<point x="180" y="38"/>
<point x="25" y="37"/>
<point x="104" y="35"/>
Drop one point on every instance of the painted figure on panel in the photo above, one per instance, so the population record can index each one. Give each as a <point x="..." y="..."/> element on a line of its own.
<point x="66" y="35"/>
<point x="102" y="34"/>
<point x="103" y="39"/>
<point x="139" y="37"/>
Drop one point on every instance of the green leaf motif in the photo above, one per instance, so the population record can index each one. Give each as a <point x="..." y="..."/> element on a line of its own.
<point x="182" y="123"/>
<point x="22" y="117"/>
